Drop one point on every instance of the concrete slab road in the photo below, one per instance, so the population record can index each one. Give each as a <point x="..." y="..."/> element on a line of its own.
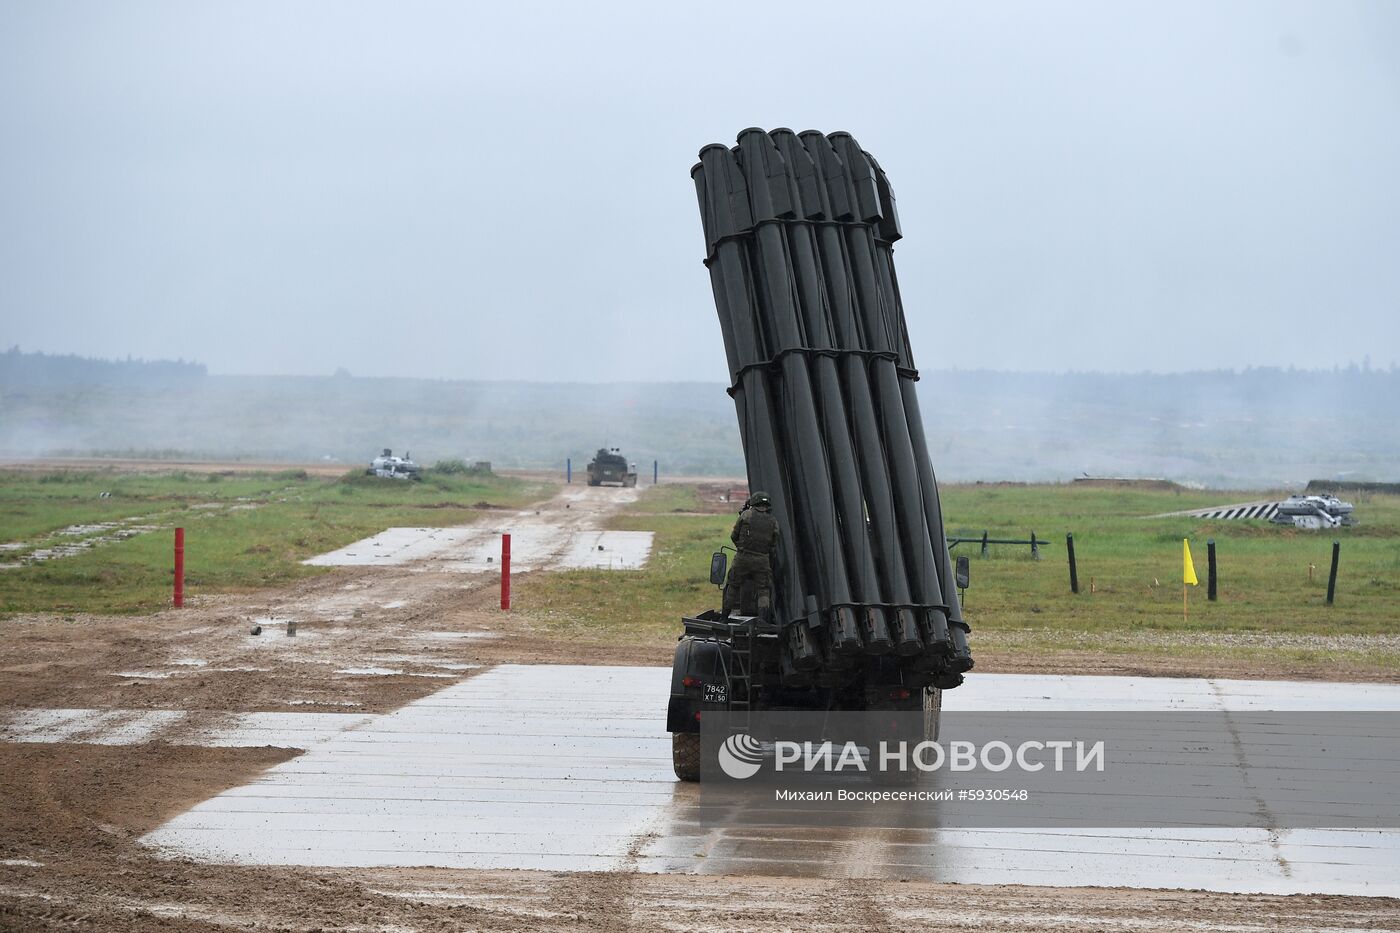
<point x="488" y="774"/>
<point x="565" y="533"/>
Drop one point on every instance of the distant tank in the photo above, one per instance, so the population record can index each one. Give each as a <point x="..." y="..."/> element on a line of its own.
<point x="608" y="466"/>
<point x="1314" y="512"/>
<point x="387" y="466"/>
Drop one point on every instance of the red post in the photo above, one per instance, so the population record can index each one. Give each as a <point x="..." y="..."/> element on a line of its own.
<point x="505" y="571"/>
<point x="179" y="567"/>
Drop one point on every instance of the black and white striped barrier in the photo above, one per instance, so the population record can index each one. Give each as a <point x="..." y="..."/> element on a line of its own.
<point x="1260" y="510"/>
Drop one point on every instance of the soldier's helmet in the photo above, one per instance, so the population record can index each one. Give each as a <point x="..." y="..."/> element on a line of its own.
<point x="760" y="500"/>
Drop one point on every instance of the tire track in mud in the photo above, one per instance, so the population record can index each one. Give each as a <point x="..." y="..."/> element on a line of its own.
<point x="861" y="892"/>
<point x="1261" y="807"/>
<point x="604" y="901"/>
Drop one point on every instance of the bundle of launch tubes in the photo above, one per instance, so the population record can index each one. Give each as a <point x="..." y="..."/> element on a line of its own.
<point x="799" y="233"/>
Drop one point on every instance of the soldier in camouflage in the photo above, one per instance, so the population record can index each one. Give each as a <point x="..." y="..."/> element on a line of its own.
<point x="755" y="537"/>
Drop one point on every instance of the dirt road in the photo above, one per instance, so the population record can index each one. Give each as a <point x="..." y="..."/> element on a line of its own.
<point x="72" y="812"/>
<point x="367" y="637"/>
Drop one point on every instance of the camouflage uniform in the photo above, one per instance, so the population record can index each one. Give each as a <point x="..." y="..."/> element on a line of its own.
<point x="755" y="537"/>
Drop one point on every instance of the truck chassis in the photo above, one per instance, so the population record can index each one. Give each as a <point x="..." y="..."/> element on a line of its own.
<point x="731" y="664"/>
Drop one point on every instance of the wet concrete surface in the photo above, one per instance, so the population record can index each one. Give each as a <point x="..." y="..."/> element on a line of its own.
<point x="566" y="534"/>
<point x="568" y="768"/>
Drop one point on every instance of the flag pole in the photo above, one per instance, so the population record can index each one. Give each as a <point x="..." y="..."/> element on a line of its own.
<point x="1188" y="575"/>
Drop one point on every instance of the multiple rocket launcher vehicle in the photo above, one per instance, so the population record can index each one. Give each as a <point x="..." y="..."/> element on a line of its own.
<point x="799" y="236"/>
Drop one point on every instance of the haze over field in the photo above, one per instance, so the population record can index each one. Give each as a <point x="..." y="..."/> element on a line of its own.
<point x="1269" y="428"/>
<point x="500" y="192"/>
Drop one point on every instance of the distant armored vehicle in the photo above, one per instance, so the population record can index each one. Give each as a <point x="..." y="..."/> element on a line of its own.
<point x="1311" y="512"/>
<point x="387" y="466"/>
<point x="1314" y="512"/>
<point x="609" y="466"/>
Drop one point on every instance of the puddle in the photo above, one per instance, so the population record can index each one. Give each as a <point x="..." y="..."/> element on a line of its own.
<point x="98" y="528"/>
<point x="87" y="536"/>
<point x="322" y="703"/>
<point x="387" y="672"/>
<point x="21" y="862"/>
<point x="136" y="727"/>
<point x="274" y="636"/>
<point x="75" y="539"/>
<point x="99" y="727"/>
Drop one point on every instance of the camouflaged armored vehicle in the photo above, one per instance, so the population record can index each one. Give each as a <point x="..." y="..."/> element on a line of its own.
<point x="387" y="466"/>
<point x="608" y="467"/>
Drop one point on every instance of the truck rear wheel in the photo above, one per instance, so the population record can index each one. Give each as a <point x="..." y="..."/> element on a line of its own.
<point x="932" y="708"/>
<point x="685" y="755"/>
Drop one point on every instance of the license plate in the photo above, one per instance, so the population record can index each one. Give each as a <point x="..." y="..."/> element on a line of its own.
<point x="716" y="693"/>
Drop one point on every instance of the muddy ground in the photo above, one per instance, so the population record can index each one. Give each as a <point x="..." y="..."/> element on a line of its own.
<point x="68" y="862"/>
<point x="70" y="812"/>
<point x="398" y="620"/>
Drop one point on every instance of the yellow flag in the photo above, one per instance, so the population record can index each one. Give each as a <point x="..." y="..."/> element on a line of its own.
<point x="1188" y="569"/>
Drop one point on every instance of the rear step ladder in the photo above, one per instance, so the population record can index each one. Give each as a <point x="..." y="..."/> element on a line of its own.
<point x="741" y="671"/>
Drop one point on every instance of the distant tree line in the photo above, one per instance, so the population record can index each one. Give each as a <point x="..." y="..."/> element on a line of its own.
<point x="19" y="369"/>
<point x="1257" y="428"/>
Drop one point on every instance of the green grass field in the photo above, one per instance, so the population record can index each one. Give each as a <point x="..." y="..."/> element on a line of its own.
<point x="243" y="531"/>
<point x="1135" y="564"/>
<point x="247" y="531"/>
<point x="1268" y="605"/>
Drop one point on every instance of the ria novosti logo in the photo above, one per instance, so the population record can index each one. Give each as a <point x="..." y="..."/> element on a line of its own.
<point x="740" y="756"/>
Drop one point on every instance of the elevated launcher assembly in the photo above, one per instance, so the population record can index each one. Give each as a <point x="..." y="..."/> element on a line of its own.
<point x="799" y="234"/>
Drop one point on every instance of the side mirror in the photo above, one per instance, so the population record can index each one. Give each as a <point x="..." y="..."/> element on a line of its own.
<point x="719" y="566"/>
<point x="963" y="573"/>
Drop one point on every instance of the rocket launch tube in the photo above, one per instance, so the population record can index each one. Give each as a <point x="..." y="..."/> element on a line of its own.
<point x="799" y="232"/>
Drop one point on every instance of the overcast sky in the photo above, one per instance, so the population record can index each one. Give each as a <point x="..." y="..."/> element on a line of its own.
<point x="502" y="191"/>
